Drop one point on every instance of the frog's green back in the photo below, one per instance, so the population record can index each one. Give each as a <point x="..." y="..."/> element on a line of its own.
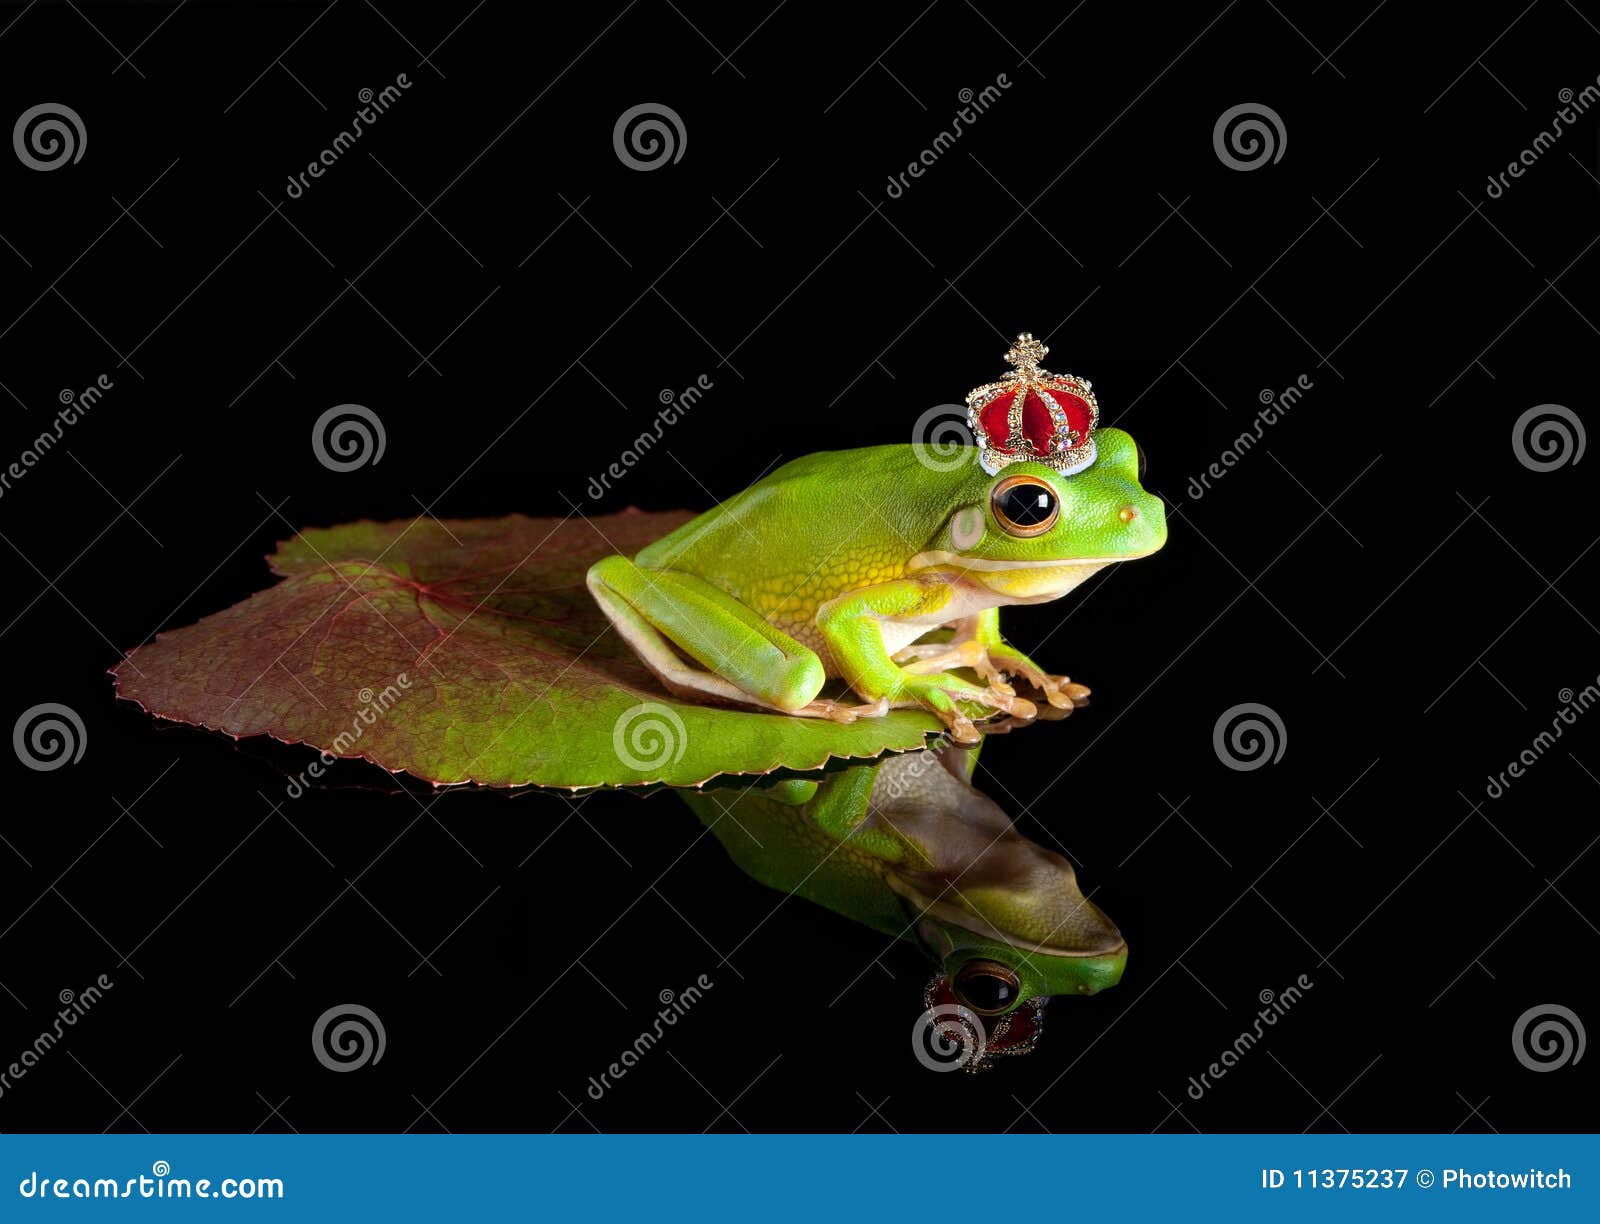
<point x="866" y="502"/>
<point x="820" y="524"/>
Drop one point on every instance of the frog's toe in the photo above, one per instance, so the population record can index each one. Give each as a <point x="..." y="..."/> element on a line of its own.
<point x="1059" y="691"/>
<point x="840" y="712"/>
<point x="961" y="727"/>
<point x="947" y="695"/>
<point x="1003" y="699"/>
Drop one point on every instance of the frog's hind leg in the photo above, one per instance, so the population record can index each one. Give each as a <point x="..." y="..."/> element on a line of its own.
<point x="745" y="659"/>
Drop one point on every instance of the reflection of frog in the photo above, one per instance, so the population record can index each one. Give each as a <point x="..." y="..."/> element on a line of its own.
<point x="908" y="847"/>
<point x="837" y="563"/>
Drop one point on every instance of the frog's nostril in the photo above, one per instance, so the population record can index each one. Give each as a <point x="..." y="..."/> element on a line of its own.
<point x="1127" y="514"/>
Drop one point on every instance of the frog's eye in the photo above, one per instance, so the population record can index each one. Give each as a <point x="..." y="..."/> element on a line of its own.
<point x="987" y="987"/>
<point x="1143" y="462"/>
<point x="1025" y="506"/>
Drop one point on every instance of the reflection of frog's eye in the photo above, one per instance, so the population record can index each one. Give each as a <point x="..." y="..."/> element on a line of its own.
<point x="987" y="987"/>
<point x="1025" y="506"/>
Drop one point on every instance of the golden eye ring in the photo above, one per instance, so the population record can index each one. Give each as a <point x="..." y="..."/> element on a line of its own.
<point x="1025" y="506"/>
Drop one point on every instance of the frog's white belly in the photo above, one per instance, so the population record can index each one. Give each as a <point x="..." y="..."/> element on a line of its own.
<point x="897" y="635"/>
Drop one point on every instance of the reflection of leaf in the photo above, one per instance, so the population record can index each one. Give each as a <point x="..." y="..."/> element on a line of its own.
<point x="469" y="651"/>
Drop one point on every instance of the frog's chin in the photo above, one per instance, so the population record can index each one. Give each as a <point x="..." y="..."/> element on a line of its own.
<point x="1017" y="581"/>
<point x="1038" y="584"/>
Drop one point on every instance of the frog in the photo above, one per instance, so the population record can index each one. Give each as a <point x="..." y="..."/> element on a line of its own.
<point x="907" y="845"/>
<point x="883" y="570"/>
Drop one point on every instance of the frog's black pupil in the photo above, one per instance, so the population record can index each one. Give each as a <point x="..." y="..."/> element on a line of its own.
<point x="1026" y="505"/>
<point x="987" y="991"/>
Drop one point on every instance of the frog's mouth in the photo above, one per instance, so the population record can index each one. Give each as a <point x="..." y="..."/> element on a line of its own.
<point x="941" y="559"/>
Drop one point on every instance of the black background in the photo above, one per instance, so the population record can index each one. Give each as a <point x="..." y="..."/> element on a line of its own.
<point x="1378" y="571"/>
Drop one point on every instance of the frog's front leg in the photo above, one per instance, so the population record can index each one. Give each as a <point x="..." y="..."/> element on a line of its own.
<point x="977" y="644"/>
<point x="852" y="625"/>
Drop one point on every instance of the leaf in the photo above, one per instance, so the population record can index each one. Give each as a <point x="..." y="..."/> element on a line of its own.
<point x="469" y="651"/>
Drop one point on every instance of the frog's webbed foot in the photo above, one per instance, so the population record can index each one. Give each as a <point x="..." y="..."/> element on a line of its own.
<point x="995" y="663"/>
<point x="1059" y="691"/>
<point x="944" y="695"/>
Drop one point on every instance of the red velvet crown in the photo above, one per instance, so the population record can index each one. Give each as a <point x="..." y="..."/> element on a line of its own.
<point x="1033" y="415"/>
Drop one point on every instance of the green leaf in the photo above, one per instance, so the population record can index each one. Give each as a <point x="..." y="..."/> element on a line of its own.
<point x="470" y="651"/>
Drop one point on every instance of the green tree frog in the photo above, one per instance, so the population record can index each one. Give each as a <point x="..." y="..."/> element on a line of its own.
<point x="839" y="564"/>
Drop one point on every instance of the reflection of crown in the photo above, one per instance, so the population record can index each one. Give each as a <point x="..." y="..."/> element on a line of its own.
<point x="1033" y="415"/>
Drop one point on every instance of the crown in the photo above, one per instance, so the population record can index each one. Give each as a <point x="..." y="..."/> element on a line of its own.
<point x="1032" y="415"/>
